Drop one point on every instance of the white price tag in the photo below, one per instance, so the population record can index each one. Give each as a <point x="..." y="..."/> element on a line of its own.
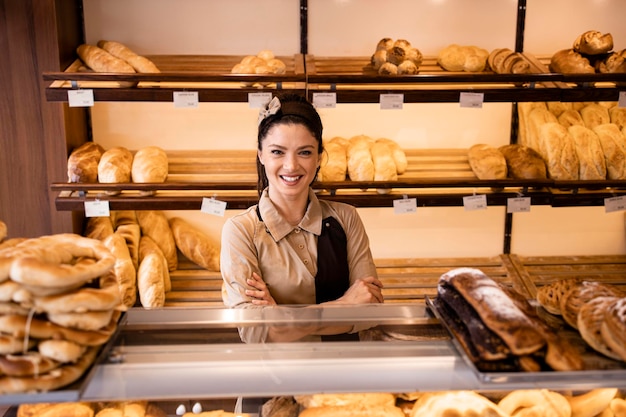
<point x="472" y="100"/>
<point x="613" y="204"/>
<point x="404" y="206"/>
<point x="185" y="99"/>
<point x="475" y="202"/>
<point x="97" y="209"/>
<point x="325" y="100"/>
<point x="622" y="99"/>
<point x="391" y="101"/>
<point x="518" y="205"/>
<point x="258" y="100"/>
<point x="80" y="98"/>
<point x="213" y="206"/>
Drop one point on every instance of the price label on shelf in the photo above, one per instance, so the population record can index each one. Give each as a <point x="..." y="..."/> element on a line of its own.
<point x="404" y="206"/>
<point x="80" y="98"/>
<point x="391" y="101"/>
<point x="472" y="100"/>
<point x="325" y="100"/>
<point x="213" y="206"/>
<point x="258" y="100"/>
<point x="185" y="99"/>
<point x="475" y="202"/>
<point x="518" y="205"/>
<point x="613" y="204"/>
<point x="97" y="208"/>
<point x="622" y="99"/>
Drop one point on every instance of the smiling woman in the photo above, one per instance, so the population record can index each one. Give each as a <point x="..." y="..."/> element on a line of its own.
<point x="292" y="248"/>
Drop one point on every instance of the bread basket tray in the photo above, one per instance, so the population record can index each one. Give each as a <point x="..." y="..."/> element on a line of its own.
<point x="597" y="367"/>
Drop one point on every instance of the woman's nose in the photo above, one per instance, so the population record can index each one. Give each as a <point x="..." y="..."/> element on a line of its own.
<point x="290" y="162"/>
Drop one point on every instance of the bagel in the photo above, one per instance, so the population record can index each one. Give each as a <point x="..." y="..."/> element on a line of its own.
<point x="79" y="301"/>
<point x="60" y="264"/>
<point x="63" y="351"/>
<point x="27" y="364"/>
<point x="549" y="403"/>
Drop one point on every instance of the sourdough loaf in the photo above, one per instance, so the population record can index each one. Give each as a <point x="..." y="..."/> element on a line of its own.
<point x="523" y="162"/>
<point x="487" y="162"/>
<point x="82" y="164"/>
<point x="592" y="165"/>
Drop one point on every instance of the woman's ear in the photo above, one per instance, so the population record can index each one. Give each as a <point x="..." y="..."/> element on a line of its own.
<point x="258" y="155"/>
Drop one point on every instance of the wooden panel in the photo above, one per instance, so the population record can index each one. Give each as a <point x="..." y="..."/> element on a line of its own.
<point x="404" y="280"/>
<point x="536" y="271"/>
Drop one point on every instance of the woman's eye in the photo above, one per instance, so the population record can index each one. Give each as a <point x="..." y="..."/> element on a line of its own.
<point x="276" y="152"/>
<point x="305" y="153"/>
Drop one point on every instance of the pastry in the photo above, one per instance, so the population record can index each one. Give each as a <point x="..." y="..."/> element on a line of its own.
<point x="578" y="295"/>
<point x="613" y="328"/>
<point x="590" y="318"/>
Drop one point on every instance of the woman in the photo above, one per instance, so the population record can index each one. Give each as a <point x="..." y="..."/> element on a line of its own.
<point x="292" y="248"/>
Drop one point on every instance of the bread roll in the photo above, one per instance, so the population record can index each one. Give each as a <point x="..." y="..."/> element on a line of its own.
<point x="139" y="63"/>
<point x="570" y="118"/>
<point x="360" y="163"/>
<point x="150" y="281"/>
<point x="590" y="156"/>
<point x="196" y="245"/>
<point x="100" y="60"/>
<point x="568" y="61"/>
<point x="487" y="162"/>
<point x="618" y="116"/>
<point x="613" y="143"/>
<point x="523" y="162"/>
<point x="593" y="42"/>
<point x="82" y="164"/>
<point x="556" y="146"/>
<point x="388" y="69"/>
<point x="399" y="156"/>
<point x="147" y="245"/>
<point x="595" y="114"/>
<point x="154" y="224"/>
<point x="115" y="166"/>
<point x="150" y="165"/>
<point x="333" y="166"/>
<point x="124" y="273"/>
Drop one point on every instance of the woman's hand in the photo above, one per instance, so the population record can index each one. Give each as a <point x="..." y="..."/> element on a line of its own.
<point x="260" y="293"/>
<point x="363" y="291"/>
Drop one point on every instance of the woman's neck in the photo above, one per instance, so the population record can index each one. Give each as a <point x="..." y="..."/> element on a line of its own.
<point x="291" y="209"/>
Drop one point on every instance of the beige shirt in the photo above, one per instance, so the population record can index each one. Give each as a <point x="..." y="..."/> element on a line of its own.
<point x="286" y="256"/>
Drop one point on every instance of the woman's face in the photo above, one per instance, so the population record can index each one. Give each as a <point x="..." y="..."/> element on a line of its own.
<point x="290" y="157"/>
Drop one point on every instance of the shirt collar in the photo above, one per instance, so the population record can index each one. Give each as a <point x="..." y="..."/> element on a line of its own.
<point x="279" y="227"/>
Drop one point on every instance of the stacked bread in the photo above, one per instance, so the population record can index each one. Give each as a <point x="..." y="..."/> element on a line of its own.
<point x="263" y="63"/>
<point x="591" y="52"/>
<point x="362" y="158"/>
<point x="463" y="58"/>
<point x="57" y="310"/>
<point x="85" y="409"/>
<point x="146" y="245"/>
<point x="597" y="310"/>
<point x="583" y="141"/>
<point x="91" y="163"/>
<point x="396" y="57"/>
<point x="498" y="328"/>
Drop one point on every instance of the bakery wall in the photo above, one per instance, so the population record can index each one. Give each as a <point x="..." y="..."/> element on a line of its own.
<point x="352" y="28"/>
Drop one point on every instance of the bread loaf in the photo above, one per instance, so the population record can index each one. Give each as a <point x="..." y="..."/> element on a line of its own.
<point x="100" y="60"/>
<point x="613" y="329"/>
<point x="3" y="230"/>
<point x="613" y="143"/>
<point x="150" y="165"/>
<point x="593" y="42"/>
<point x="150" y="281"/>
<point x="115" y="166"/>
<point x="590" y="319"/>
<point x="558" y="107"/>
<point x="399" y="156"/>
<point x="131" y="232"/>
<point x="556" y="147"/>
<point x="595" y="114"/>
<point x="467" y="58"/>
<point x="523" y="162"/>
<point x="537" y="117"/>
<point x="82" y="164"/>
<point x="196" y="245"/>
<point x="360" y="163"/>
<point x="384" y="164"/>
<point x="613" y="63"/>
<point x="571" y="117"/>
<point x="333" y="166"/>
<point x="455" y="403"/>
<point x="618" y="117"/>
<point x="487" y="162"/>
<point x="592" y="165"/>
<point x="139" y="63"/>
<point x="98" y="227"/>
<point x="568" y="61"/>
<point x="155" y="225"/>
<point x="147" y="245"/>
<point x="124" y="274"/>
<point x="523" y="113"/>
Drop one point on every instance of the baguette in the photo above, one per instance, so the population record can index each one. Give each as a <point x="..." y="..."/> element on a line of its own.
<point x="195" y="245"/>
<point x="139" y="63"/>
<point x="100" y="60"/>
<point x="155" y="225"/>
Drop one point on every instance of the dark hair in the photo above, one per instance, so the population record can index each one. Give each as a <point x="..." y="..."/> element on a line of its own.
<point x="294" y="109"/>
